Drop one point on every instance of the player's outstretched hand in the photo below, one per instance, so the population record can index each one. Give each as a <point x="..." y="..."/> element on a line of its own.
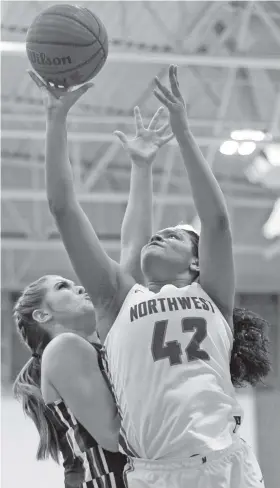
<point x="147" y="141"/>
<point x="174" y="101"/>
<point x="58" y="101"/>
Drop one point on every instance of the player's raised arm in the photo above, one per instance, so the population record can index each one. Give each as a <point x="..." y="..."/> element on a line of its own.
<point x="100" y="275"/>
<point x="215" y="247"/>
<point x="137" y="224"/>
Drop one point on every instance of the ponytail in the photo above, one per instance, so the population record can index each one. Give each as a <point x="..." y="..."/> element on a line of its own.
<point x="27" y="386"/>
<point x="26" y="389"/>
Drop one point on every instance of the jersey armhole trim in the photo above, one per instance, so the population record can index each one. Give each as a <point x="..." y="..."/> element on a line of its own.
<point x="230" y="328"/>
<point x="134" y="289"/>
<point x="55" y="403"/>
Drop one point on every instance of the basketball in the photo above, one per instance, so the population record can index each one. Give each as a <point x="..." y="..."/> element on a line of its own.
<point x="67" y="45"/>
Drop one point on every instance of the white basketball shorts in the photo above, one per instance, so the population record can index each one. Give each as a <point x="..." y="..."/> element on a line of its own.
<point x="235" y="467"/>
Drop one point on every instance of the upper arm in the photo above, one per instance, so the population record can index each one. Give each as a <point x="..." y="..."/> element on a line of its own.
<point x="130" y="262"/>
<point x="101" y="276"/>
<point x="71" y="366"/>
<point x="217" y="266"/>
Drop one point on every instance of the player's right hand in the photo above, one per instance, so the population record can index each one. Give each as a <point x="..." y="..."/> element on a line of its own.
<point x="58" y="101"/>
<point x="174" y="101"/>
<point x="142" y="149"/>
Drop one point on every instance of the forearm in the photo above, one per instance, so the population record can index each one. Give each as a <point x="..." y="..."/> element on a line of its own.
<point x="59" y="178"/>
<point x="207" y="194"/>
<point x="138" y="220"/>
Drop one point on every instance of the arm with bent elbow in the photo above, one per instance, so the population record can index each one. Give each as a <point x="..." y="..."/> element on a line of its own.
<point x="70" y="365"/>
<point x="215" y="246"/>
<point x="137" y="226"/>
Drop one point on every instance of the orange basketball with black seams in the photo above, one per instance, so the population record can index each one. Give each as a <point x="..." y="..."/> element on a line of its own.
<point x="67" y="45"/>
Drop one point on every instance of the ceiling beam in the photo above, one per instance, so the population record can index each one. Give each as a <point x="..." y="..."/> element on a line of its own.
<point x="101" y="197"/>
<point x="122" y="198"/>
<point x="267" y="20"/>
<point x="39" y="135"/>
<point x="105" y="160"/>
<point x="122" y="173"/>
<point x="275" y="116"/>
<point x="273" y="250"/>
<point x="113" y="120"/>
<point x="109" y="245"/>
<point x="221" y="113"/>
<point x="14" y="215"/>
<point x="273" y="63"/>
<point x="48" y="245"/>
<point x="203" y="21"/>
<point x="165" y="181"/>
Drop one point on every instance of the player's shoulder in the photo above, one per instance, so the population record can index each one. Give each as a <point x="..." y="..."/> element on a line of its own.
<point x="137" y="288"/>
<point x="124" y="283"/>
<point x="66" y="341"/>
<point x="64" y="348"/>
<point x="225" y="313"/>
<point x="129" y="295"/>
<point x="136" y="292"/>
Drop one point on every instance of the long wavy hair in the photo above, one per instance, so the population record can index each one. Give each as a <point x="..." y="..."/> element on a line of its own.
<point x="27" y="386"/>
<point x="250" y="358"/>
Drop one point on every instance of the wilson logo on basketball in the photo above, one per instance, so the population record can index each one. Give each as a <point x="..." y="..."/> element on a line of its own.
<point x="43" y="60"/>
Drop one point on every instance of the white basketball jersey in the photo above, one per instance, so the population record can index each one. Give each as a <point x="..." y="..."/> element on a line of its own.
<point x="168" y="357"/>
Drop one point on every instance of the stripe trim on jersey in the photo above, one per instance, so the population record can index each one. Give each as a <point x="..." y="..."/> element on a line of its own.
<point x="65" y="417"/>
<point x="125" y="447"/>
<point x="93" y="471"/>
<point x="124" y="444"/>
<point x="94" y="461"/>
<point x="110" y="382"/>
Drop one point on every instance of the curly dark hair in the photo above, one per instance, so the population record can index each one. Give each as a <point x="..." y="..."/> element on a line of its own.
<point x="250" y="361"/>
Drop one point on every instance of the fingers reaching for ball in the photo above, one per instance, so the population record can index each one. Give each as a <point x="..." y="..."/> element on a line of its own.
<point x="57" y="97"/>
<point x="36" y="79"/>
<point x="122" y="137"/>
<point x="42" y="85"/>
<point x="174" y="81"/>
<point x="73" y="96"/>
<point x="163" y="129"/>
<point x="173" y="97"/>
<point x="174" y="101"/>
<point x="156" y="118"/>
<point x="138" y="120"/>
<point x="163" y="94"/>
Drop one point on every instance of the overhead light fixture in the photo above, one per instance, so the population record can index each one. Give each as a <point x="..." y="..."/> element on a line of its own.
<point x="248" y="135"/>
<point x="243" y="142"/>
<point x="246" y="148"/>
<point x="273" y="154"/>
<point x="258" y="169"/>
<point x="271" y="229"/>
<point x="265" y="168"/>
<point x="229" y="148"/>
<point x="12" y="47"/>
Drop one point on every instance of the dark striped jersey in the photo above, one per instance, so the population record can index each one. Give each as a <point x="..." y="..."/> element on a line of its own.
<point x="86" y="464"/>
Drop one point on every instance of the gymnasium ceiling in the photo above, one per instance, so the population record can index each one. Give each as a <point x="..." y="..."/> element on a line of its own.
<point x="229" y="70"/>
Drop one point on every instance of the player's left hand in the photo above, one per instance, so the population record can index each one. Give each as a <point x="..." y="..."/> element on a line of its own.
<point x="174" y="101"/>
<point x="58" y="101"/>
<point x="142" y="149"/>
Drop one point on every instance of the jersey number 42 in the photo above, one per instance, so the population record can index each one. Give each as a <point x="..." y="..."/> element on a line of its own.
<point x="172" y="349"/>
